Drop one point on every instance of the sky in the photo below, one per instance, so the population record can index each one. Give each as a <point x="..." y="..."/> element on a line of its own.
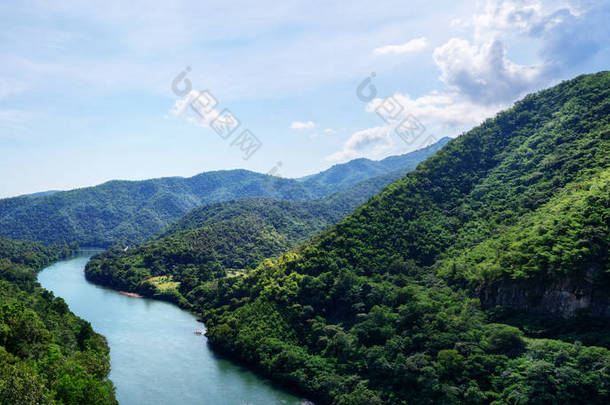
<point x="94" y="91"/>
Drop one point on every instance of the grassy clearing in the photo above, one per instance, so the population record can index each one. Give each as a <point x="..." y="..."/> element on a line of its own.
<point x="164" y="282"/>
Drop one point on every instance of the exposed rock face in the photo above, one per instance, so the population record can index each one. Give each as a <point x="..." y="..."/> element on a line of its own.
<point x="563" y="297"/>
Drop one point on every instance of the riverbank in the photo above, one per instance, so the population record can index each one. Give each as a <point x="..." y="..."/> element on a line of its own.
<point x="130" y="294"/>
<point x="155" y="356"/>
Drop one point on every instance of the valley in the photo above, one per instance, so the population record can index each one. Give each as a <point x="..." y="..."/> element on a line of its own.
<point x="477" y="276"/>
<point x="156" y="357"/>
<point x="297" y="203"/>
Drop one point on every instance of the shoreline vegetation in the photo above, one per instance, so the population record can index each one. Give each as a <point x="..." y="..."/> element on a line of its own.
<point x="383" y="307"/>
<point x="47" y="353"/>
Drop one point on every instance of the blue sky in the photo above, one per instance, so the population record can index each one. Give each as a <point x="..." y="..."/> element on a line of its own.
<point x="86" y="90"/>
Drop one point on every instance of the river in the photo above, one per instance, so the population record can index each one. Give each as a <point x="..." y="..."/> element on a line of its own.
<point x="155" y="355"/>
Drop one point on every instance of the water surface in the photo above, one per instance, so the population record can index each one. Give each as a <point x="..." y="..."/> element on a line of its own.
<point x="156" y="357"/>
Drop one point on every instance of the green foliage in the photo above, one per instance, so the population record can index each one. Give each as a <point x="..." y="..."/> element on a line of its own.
<point x="380" y="307"/>
<point x="231" y="236"/>
<point x="133" y="211"/>
<point x="47" y="354"/>
<point x="503" y="339"/>
<point x="345" y="175"/>
<point x="569" y="232"/>
<point x="234" y="235"/>
<point x="384" y="307"/>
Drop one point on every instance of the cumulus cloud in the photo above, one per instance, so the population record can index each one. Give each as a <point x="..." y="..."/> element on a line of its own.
<point x="483" y="73"/>
<point x="441" y="111"/>
<point x="371" y="142"/>
<point x="479" y="79"/>
<point x="569" y="32"/>
<point x="573" y="36"/>
<point x="299" y="125"/>
<point x="506" y="15"/>
<point x="414" y="45"/>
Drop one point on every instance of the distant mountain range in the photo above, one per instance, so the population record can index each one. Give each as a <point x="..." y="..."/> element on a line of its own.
<point x="133" y="211"/>
<point x="343" y="175"/>
<point x="226" y="236"/>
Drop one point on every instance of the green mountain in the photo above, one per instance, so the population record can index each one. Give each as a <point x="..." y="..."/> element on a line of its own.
<point x="41" y="193"/>
<point x="342" y="176"/>
<point x="397" y="302"/>
<point x="210" y="242"/>
<point x="133" y="211"/>
<point x="47" y="354"/>
<point x="223" y="238"/>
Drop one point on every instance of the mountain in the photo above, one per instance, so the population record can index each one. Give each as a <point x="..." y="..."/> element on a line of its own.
<point x="133" y="211"/>
<point x="344" y="175"/>
<point x="223" y="238"/>
<point x="400" y="301"/>
<point x="41" y="193"/>
<point x="210" y="242"/>
<point x="47" y="354"/>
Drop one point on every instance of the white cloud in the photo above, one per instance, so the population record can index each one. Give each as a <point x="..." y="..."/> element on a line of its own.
<point x="371" y="142"/>
<point x="568" y="32"/>
<point x="329" y="131"/>
<point x="479" y="79"/>
<point x="444" y="112"/>
<point x="440" y="113"/>
<point x="414" y="45"/>
<point x="483" y="73"/>
<point x="507" y="15"/>
<point x="298" y="125"/>
<point x="198" y="107"/>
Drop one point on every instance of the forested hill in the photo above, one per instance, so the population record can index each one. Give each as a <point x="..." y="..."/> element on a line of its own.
<point x="223" y="239"/>
<point x="384" y="308"/>
<point x="47" y="354"/>
<point x="344" y="175"/>
<point x="211" y="242"/>
<point x="133" y="211"/>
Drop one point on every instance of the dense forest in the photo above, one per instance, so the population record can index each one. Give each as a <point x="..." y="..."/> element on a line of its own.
<point x="223" y="239"/>
<point x="438" y="289"/>
<point x="432" y="291"/>
<point x="47" y="354"/>
<point x="133" y="211"/>
<point x="480" y="277"/>
<point x="343" y="176"/>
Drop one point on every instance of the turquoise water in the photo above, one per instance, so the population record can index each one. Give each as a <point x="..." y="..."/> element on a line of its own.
<point x="156" y="357"/>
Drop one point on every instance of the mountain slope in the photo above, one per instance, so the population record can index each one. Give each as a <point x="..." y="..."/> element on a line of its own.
<point x="344" y="175"/>
<point x="384" y="307"/>
<point x="228" y="236"/>
<point x="133" y="211"/>
<point x="47" y="354"/>
<point x="209" y="243"/>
